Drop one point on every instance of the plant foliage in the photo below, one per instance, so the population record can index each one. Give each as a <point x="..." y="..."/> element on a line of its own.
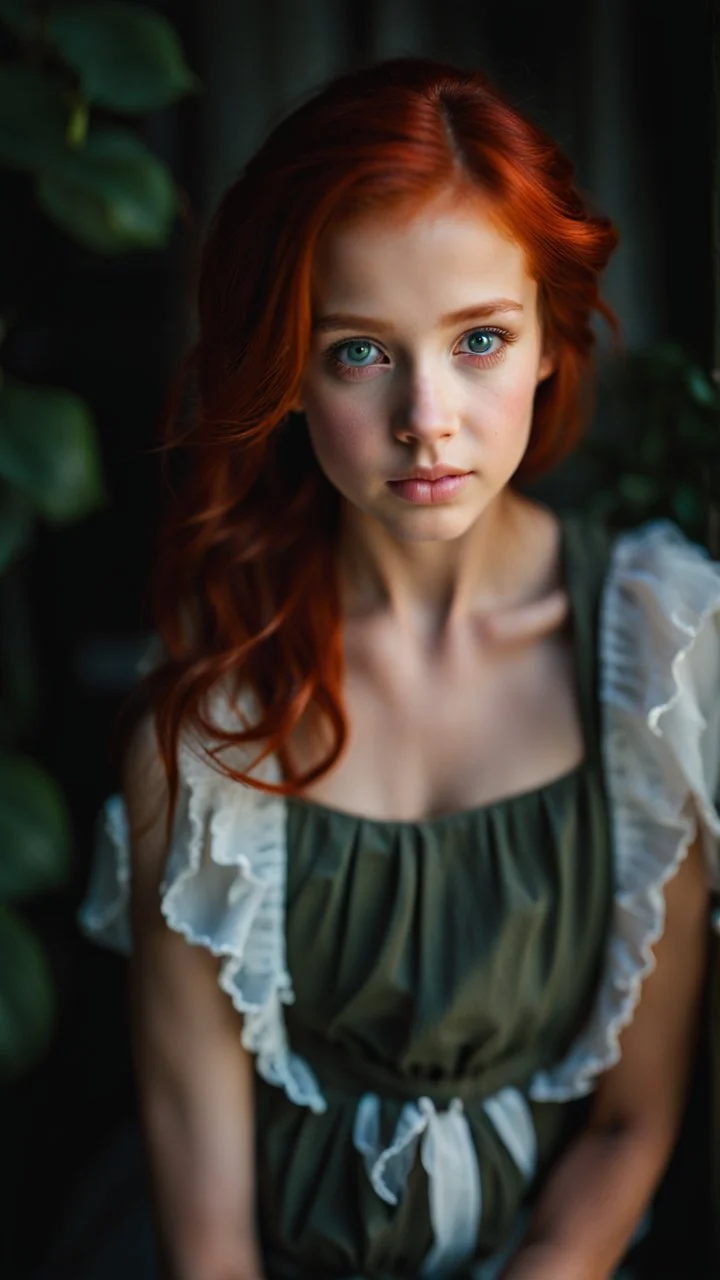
<point x="102" y="186"/>
<point x="667" y="463"/>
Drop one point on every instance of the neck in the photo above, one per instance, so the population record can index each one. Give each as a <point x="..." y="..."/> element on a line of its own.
<point x="431" y="588"/>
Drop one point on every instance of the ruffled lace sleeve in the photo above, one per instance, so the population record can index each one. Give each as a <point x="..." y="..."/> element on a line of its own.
<point x="660" y="701"/>
<point x="223" y="889"/>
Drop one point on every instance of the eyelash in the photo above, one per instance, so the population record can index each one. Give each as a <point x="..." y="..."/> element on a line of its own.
<point x="352" y="372"/>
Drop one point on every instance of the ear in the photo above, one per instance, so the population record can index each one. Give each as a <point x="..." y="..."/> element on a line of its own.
<point x="547" y="365"/>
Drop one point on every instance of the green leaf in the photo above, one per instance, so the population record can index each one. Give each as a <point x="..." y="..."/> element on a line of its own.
<point x="700" y="387"/>
<point x="34" y="113"/>
<point x="48" y="450"/>
<point x="111" y="195"/>
<point x="76" y="132"/>
<point x="16" y="525"/>
<point x="127" y="57"/>
<point x="27" y="996"/>
<point x="687" y="505"/>
<point x="18" y="15"/>
<point x="35" y="835"/>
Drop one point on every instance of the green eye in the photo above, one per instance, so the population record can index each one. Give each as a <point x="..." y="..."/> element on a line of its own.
<point x="480" y="342"/>
<point x="357" y="353"/>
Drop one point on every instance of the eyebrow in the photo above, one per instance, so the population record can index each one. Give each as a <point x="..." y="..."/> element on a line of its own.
<point x="339" y="320"/>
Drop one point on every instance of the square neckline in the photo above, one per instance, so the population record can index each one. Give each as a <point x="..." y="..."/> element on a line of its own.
<point x="527" y="796"/>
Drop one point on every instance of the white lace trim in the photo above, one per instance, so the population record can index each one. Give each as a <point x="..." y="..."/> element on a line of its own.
<point x="660" y="696"/>
<point x="224" y="886"/>
<point x="223" y="889"/>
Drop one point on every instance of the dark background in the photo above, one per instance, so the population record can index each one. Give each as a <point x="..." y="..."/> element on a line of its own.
<point x="627" y="90"/>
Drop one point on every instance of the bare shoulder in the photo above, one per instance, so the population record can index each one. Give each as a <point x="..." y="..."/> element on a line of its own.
<point x="145" y="791"/>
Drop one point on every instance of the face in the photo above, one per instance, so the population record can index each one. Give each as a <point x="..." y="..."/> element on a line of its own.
<point x="426" y="353"/>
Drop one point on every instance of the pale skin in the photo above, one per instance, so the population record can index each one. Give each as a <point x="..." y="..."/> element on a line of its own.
<point x="459" y="689"/>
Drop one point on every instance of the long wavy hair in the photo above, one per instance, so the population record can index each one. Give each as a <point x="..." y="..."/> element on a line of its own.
<point x="244" y="591"/>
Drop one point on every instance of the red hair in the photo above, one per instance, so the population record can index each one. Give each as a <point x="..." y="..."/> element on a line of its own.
<point x="244" y="591"/>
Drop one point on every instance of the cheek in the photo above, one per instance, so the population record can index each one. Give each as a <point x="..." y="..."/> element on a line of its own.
<point x="341" y="434"/>
<point x="507" y="406"/>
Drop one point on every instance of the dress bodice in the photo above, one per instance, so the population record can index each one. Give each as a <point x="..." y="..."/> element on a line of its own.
<point x="447" y="959"/>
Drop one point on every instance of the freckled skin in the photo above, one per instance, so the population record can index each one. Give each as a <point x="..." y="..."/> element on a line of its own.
<point x="427" y="349"/>
<point x="428" y="399"/>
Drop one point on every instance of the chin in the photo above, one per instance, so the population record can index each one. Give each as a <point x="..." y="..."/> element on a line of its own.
<point x="432" y="525"/>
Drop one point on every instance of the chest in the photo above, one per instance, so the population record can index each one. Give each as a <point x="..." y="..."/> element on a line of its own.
<point x="429" y="736"/>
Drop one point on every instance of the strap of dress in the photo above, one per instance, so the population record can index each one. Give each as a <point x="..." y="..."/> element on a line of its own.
<point x="586" y="549"/>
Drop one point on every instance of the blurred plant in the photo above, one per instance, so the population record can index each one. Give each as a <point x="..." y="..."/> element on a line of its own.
<point x="76" y="68"/>
<point x="667" y="463"/>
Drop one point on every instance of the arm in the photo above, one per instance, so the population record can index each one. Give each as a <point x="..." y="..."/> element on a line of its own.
<point x="596" y="1195"/>
<point x="194" y="1077"/>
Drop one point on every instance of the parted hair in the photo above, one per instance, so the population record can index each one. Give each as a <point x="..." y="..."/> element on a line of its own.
<point x="244" y="593"/>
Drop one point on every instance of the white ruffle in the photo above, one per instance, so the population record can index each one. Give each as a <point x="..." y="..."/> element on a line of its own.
<point x="105" y="911"/>
<point x="660" y="696"/>
<point x="659" y="653"/>
<point x="388" y="1167"/>
<point x="223" y="889"/>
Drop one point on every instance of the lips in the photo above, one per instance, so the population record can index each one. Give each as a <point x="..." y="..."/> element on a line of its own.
<point x="428" y="474"/>
<point x="421" y="491"/>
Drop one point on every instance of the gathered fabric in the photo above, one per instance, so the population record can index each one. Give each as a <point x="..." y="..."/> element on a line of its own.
<point x="429" y="994"/>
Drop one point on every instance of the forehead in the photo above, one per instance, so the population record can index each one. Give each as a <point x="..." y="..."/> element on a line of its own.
<point x="446" y="255"/>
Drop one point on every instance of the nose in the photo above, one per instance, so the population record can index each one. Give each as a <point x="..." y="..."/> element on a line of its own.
<point x="426" y="413"/>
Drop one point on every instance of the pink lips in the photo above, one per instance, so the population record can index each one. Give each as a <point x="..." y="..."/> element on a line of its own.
<point x="438" y="472"/>
<point x="429" y="485"/>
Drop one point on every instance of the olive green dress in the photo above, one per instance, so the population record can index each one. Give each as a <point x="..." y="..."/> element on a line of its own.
<point x="430" y="1004"/>
<point x="444" y="959"/>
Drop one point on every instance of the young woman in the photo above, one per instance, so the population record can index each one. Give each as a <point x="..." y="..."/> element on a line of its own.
<point x="418" y="830"/>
